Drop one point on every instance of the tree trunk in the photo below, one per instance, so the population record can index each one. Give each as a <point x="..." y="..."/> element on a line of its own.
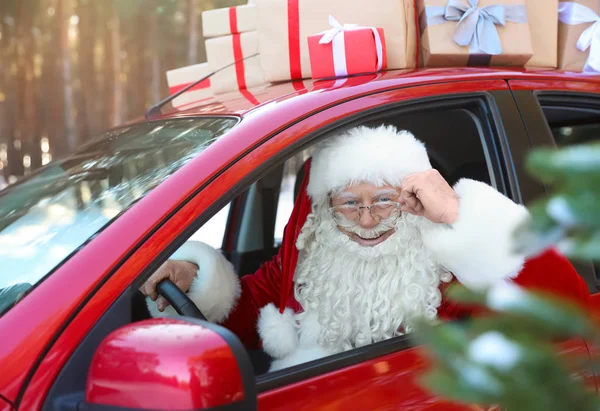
<point x="155" y="59"/>
<point x="86" y="96"/>
<point x="192" y="13"/>
<point x="70" y="135"/>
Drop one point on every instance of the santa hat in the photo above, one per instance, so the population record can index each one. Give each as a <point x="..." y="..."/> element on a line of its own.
<point x="381" y="155"/>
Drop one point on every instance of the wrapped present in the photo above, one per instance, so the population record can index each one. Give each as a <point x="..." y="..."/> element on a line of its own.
<point x="181" y="78"/>
<point x="543" y="25"/>
<point x="285" y="25"/>
<point x="579" y="36"/>
<point x="474" y="32"/>
<point x="230" y="20"/>
<point x="239" y="52"/>
<point x="346" y="49"/>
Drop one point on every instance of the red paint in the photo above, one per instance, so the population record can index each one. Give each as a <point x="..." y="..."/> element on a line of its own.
<point x="164" y="364"/>
<point x="233" y="28"/>
<point x="37" y="342"/>
<point x="294" y="40"/>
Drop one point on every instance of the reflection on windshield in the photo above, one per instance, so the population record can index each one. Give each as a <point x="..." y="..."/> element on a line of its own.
<point x="49" y="216"/>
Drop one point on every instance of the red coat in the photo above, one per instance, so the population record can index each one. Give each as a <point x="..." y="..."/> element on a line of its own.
<point x="273" y="282"/>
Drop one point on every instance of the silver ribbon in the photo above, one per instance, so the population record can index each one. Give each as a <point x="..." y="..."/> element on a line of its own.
<point x="476" y="25"/>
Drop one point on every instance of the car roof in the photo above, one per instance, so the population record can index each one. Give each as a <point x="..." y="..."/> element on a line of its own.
<point x="256" y="99"/>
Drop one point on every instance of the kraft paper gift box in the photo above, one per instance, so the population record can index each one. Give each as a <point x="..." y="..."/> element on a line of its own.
<point x="543" y="24"/>
<point x="225" y="50"/>
<point x="449" y="37"/>
<point x="182" y="77"/>
<point x="579" y="36"/>
<point x="346" y="50"/>
<point x="229" y="20"/>
<point x="285" y="25"/>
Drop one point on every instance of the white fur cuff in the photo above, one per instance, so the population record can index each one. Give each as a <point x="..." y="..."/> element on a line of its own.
<point x="216" y="287"/>
<point x="478" y="247"/>
<point x="277" y="331"/>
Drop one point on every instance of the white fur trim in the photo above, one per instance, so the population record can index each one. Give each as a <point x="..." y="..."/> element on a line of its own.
<point x="478" y="247"/>
<point x="277" y="331"/>
<point x="376" y="155"/>
<point x="216" y="287"/>
<point x="301" y="355"/>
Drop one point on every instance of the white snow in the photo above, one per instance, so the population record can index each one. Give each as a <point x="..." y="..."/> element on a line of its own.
<point x="495" y="350"/>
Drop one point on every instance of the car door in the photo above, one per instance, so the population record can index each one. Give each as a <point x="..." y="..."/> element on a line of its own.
<point x="377" y="376"/>
<point x="562" y="113"/>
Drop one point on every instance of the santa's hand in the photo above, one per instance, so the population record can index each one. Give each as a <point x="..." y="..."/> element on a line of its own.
<point x="427" y="194"/>
<point x="181" y="273"/>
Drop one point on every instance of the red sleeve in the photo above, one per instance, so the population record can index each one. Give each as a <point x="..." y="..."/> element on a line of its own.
<point x="273" y="282"/>
<point x="550" y="272"/>
<point x="258" y="290"/>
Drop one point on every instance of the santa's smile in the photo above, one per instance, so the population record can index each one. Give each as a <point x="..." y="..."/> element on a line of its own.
<point x="371" y="242"/>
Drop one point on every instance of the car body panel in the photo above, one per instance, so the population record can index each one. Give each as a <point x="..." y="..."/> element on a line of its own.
<point x="377" y="383"/>
<point x="49" y="323"/>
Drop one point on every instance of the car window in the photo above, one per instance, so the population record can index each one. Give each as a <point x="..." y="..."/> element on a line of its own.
<point x="288" y="192"/>
<point x="47" y="217"/>
<point x="213" y="231"/>
<point x="573" y="120"/>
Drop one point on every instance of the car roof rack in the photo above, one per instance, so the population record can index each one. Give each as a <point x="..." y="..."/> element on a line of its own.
<point x="156" y="110"/>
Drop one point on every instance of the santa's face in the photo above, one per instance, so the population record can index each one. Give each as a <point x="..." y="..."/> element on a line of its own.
<point x="366" y="213"/>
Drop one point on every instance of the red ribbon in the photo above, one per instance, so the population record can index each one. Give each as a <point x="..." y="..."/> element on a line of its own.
<point x="294" y="43"/>
<point x="233" y="28"/>
<point x="238" y="57"/>
<point x="200" y="86"/>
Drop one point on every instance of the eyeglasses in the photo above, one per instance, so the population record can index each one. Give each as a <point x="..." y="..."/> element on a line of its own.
<point x="380" y="211"/>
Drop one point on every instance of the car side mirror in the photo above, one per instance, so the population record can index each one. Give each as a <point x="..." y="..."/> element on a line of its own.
<point x="170" y="364"/>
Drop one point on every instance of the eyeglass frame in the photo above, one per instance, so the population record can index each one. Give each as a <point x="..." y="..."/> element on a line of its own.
<point x="397" y="204"/>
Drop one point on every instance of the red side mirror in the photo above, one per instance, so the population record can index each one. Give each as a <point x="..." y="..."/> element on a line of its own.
<point x="170" y="364"/>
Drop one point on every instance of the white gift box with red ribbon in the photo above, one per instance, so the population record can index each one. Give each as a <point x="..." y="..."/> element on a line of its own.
<point x="180" y="78"/>
<point x="239" y="51"/>
<point x="230" y="20"/>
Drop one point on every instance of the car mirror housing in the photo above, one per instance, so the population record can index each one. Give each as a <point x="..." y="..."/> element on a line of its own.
<point x="170" y="364"/>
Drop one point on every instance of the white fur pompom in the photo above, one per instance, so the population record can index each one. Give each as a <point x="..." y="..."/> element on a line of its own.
<point x="277" y="331"/>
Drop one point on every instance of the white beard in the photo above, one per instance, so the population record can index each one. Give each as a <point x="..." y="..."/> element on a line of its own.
<point x="360" y="295"/>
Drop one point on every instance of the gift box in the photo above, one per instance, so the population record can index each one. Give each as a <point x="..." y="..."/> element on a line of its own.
<point x="346" y="49"/>
<point x="285" y="25"/>
<point x="239" y="52"/>
<point x="230" y="20"/>
<point x="579" y="36"/>
<point x="180" y="78"/>
<point x="543" y="25"/>
<point x="474" y="33"/>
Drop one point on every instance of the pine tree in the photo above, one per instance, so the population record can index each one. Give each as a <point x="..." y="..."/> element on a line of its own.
<point x="510" y="358"/>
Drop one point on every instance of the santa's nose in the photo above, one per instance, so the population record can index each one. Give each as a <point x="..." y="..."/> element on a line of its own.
<point x="366" y="220"/>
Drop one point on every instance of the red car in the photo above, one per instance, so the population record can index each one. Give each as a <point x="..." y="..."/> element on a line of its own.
<point x="79" y="236"/>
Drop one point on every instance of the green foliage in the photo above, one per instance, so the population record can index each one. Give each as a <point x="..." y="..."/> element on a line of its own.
<point x="510" y="357"/>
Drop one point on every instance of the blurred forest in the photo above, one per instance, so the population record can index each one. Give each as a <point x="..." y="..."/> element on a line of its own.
<point x="70" y="69"/>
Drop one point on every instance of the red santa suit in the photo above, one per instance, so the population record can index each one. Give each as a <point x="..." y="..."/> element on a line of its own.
<point x="476" y="249"/>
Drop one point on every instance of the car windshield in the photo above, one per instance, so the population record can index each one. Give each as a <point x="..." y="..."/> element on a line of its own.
<point x="47" y="217"/>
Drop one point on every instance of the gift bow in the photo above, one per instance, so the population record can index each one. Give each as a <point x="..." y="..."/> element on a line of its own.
<point x="335" y="36"/>
<point x="477" y="25"/>
<point x="575" y="13"/>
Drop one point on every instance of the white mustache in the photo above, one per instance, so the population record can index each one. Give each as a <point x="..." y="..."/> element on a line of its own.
<point x="369" y="233"/>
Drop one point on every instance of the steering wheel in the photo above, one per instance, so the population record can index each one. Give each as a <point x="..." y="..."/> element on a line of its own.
<point x="177" y="298"/>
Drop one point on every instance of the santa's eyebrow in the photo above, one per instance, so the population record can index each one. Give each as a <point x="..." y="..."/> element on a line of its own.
<point x="386" y="192"/>
<point x="346" y="195"/>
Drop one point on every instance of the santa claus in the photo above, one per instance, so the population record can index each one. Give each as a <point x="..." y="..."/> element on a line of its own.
<point x="375" y="236"/>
